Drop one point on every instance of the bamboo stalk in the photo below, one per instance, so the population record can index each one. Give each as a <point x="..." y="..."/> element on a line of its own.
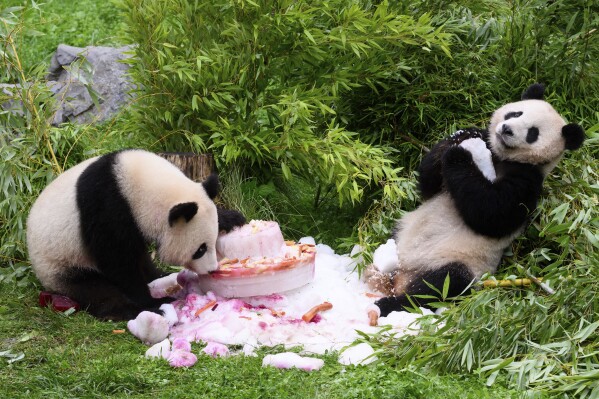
<point x="518" y="282"/>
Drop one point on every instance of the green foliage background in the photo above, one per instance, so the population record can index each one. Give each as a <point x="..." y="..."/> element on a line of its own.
<point x="318" y="113"/>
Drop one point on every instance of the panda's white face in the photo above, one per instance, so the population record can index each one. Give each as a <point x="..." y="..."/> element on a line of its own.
<point x="171" y="210"/>
<point x="191" y="243"/>
<point x="528" y="131"/>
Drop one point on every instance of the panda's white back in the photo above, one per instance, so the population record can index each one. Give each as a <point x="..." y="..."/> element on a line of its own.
<point x="53" y="228"/>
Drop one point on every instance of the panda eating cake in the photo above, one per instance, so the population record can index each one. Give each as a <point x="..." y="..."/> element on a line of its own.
<point x="479" y="188"/>
<point x="89" y="231"/>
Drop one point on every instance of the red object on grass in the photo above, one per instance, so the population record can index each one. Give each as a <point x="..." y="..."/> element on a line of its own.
<point x="58" y="303"/>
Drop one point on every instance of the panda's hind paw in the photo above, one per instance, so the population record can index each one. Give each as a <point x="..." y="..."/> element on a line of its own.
<point x="393" y="304"/>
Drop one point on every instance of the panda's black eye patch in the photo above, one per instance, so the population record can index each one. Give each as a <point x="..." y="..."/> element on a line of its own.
<point x="200" y="252"/>
<point x="511" y="115"/>
<point x="532" y="135"/>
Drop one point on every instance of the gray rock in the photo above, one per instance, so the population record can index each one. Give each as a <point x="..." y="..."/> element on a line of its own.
<point x="8" y="93"/>
<point x="76" y="74"/>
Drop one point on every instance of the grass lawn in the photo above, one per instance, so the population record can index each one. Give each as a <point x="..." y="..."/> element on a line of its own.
<point x="80" y="24"/>
<point x="48" y="355"/>
<point x="78" y="357"/>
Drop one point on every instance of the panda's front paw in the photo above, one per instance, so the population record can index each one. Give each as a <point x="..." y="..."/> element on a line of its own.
<point x="481" y="155"/>
<point x="456" y="156"/>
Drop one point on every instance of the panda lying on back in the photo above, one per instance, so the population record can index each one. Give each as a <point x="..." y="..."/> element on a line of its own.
<point x="471" y="213"/>
<point x="88" y="232"/>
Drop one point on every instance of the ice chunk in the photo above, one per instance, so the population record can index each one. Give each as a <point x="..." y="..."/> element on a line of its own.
<point x="324" y="249"/>
<point x="215" y="349"/>
<point x="181" y="358"/>
<point x="385" y="257"/>
<point x="404" y="322"/>
<point x="287" y="360"/>
<point x="181" y="344"/>
<point x="258" y="238"/>
<point x="160" y="350"/>
<point x="360" y="354"/>
<point x="307" y="240"/>
<point x="149" y="327"/>
<point x="249" y="350"/>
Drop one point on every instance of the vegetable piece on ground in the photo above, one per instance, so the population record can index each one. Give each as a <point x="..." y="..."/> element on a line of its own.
<point x="309" y="315"/>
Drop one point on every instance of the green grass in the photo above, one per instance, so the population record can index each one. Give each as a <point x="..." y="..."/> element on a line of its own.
<point x="77" y="356"/>
<point x="78" y="23"/>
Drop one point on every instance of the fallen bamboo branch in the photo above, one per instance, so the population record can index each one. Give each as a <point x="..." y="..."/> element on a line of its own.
<point x="518" y="282"/>
<point x="540" y="283"/>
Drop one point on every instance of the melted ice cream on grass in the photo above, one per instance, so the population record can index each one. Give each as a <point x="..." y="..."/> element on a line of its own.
<point x="276" y="319"/>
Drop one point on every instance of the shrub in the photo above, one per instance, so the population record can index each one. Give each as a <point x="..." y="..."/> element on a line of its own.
<point x="52" y="22"/>
<point x="265" y="83"/>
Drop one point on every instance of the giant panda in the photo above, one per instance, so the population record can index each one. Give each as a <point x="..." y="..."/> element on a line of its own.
<point x="470" y="214"/>
<point x="88" y="233"/>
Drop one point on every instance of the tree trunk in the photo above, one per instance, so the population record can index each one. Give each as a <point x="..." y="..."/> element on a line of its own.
<point x="195" y="166"/>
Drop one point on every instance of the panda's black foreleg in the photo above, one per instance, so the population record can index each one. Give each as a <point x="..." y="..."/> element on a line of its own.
<point x="430" y="178"/>
<point x="149" y="269"/>
<point x="495" y="209"/>
<point x="102" y="298"/>
<point x="460" y="278"/>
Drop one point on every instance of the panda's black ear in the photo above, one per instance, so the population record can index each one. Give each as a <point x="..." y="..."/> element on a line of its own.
<point x="185" y="210"/>
<point x="574" y="135"/>
<point x="211" y="185"/>
<point x="534" y="92"/>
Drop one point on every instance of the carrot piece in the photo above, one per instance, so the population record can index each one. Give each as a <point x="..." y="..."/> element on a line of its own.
<point x="227" y="261"/>
<point x="373" y="317"/>
<point x="309" y="315"/>
<point x="205" y="307"/>
<point x="277" y="313"/>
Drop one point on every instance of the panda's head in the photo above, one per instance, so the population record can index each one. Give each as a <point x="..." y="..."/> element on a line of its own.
<point x="531" y="131"/>
<point x="189" y="238"/>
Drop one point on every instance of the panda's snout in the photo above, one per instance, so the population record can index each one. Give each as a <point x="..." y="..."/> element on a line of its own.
<point x="205" y="264"/>
<point x="506" y="130"/>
